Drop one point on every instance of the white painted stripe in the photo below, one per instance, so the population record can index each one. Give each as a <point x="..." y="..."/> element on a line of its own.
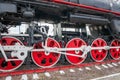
<point x="80" y="69"/>
<point x="24" y="77"/>
<point x="72" y="70"/>
<point x="114" y="64"/>
<point x="118" y="62"/>
<point x="108" y="76"/>
<point x="8" y="78"/>
<point x="104" y="66"/>
<point x="47" y="74"/>
<point x="62" y="72"/>
<point x="35" y="76"/>
<point x="97" y="67"/>
<point x="110" y="65"/>
<point x="87" y="68"/>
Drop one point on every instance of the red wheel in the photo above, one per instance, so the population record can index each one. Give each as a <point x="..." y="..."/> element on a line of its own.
<point x="75" y="43"/>
<point x="9" y="65"/>
<point x="46" y="59"/>
<point x="115" y="52"/>
<point x="98" y="55"/>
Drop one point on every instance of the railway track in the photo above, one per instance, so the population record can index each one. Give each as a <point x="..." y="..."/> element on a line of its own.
<point x="59" y="68"/>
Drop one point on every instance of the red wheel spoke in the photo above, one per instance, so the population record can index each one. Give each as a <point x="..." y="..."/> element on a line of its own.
<point x="46" y="59"/>
<point x="51" y="44"/>
<point x="39" y="55"/>
<point x="115" y="55"/>
<point x="117" y="43"/>
<point x="8" y="41"/>
<point x="114" y="43"/>
<point x="3" y="42"/>
<point x="98" y="55"/>
<point x="75" y="43"/>
<point x="53" y="58"/>
<point x="99" y="42"/>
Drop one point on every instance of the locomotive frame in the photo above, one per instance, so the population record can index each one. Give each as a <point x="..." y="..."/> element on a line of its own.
<point x="46" y="51"/>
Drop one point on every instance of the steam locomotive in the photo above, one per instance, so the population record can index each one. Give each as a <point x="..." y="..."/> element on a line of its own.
<point x="82" y="30"/>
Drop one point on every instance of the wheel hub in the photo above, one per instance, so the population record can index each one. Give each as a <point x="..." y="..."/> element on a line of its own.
<point x="77" y="51"/>
<point x="117" y="49"/>
<point x="100" y="50"/>
<point x="47" y="53"/>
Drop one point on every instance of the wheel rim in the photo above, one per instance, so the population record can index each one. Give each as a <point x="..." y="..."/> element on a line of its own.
<point x="42" y="59"/>
<point x="9" y="65"/>
<point x="75" y="43"/>
<point x="115" y="52"/>
<point x="98" y="55"/>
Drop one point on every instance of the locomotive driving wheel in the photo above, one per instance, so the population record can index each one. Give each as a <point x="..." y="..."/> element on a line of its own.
<point x="9" y="65"/>
<point x="115" y="52"/>
<point x="75" y="43"/>
<point x="98" y="55"/>
<point x="44" y="58"/>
